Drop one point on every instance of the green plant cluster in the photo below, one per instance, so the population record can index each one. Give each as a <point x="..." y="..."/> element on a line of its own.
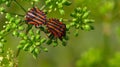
<point x="6" y="2"/>
<point x="92" y="58"/>
<point x="115" y="61"/>
<point x="12" y="25"/>
<point x="95" y="58"/>
<point x="9" y="60"/>
<point x="32" y="43"/>
<point x="57" y="5"/>
<point x="32" y="39"/>
<point x="80" y="20"/>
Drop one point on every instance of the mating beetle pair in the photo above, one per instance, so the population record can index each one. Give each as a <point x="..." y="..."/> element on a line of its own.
<point x="37" y="17"/>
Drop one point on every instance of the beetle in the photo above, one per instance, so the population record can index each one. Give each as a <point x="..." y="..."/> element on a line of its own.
<point x="56" y="28"/>
<point x="36" y="17"/>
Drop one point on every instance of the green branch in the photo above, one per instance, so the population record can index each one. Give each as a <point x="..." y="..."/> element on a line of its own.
<point x="20" y="6"/>
<point x="14" y="14"/>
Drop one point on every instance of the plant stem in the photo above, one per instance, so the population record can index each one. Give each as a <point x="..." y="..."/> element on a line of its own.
<point x="106" y="36"/>
<point x="67" y="20"/>
<point x="20" y="6"/>
<point x="18" y="52"/>
<point x="43" y="7"/>
<point x="14" y="14"/>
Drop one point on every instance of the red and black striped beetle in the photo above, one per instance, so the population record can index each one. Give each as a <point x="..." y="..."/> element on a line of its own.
<point x="36" y="17"/>
<point x="56" y="28"/>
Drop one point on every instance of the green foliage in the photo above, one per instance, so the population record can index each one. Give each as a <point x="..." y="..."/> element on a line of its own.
<point x="95" y="58"/>
<point x="8" y="60"/>
<point x="107" y="7"/>
<point x="57" y="5"/>
<point x="80" y="20"/>
<point x="92" y="58"/>
<point x="32" y="39"/>
<point x="6" y="2"/>
<point x="32" y="42"/>
<point x="115" y="61"/>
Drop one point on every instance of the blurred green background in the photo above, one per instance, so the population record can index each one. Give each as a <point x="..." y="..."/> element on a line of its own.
<point x="96" y="48"/>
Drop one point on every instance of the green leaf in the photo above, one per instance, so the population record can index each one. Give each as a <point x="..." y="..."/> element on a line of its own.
<point x="64" y="43"/>
<point x="20" y="46"/>
<point x="11" y="20"/>
<point x="2" y="9"/>
<point x="31" y="32"/>
<point x="43" y="40"/>
<point x="76" y="33"/>
<point x="38" y="31"/>
<point x="61" y="11"/>
<point x="85" y="15"/>
<point x="67" y="3"/>
<point x="37" y="51"/>
<point x="60" y="5"/>
<point x="29" y="28"/>
<point x="26" y="47"/>
<point x="2" y="32"/>
<point x="21" y="28"/>
<point x="51" y="6"/>
<point x="8" y="3"/>
<point x="37" y="43"/>
<point x="68" y="27"/>
<point x="42" y="28"/>
<point x="88" y="21"/>
<point x="36" y="0"/>
<point x="72" y="14"/>
<point x="78" y="10"/>
<point x="61" y="19"/>
<point x="66" y="37"/>
<point x="45" y="50"/>
<point x="3" y="40"/>
<point x="23" y="42"/>
<point x="15" y="33"/>
<point x="1" y="50"/>
<point x="8" y="28"/>
<point x="1" y="37"/>
<point x="55" y="43"/>
<point x="87" y="27"/>
<point x="78" y="15"/>
<point x="84" y="9"/>
<point x="35" y="55"/>
<point x="47" y="2"/>
<point x="72" y="24"/>
<point x="26" y="38"/>
<point x="32" y="37"/>
<point x="37" y="37"/>
<point x="17" y="21"/>
<point x="1" y="45"/>
<point x="14" y="26"/>
<point x="77" y="26"/>
<point x="31" y="49"/>
<point x="49" y="41"/>
<point x="8" y="16"/>
<point x="22" y="34"/>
